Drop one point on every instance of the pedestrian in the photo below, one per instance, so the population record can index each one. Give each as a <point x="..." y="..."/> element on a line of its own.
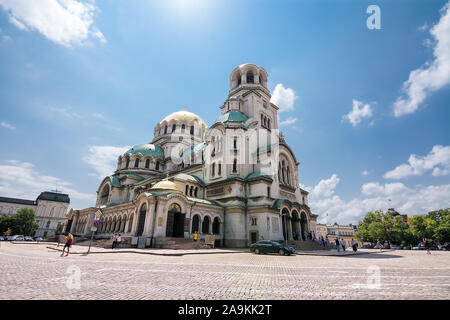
<point x="354" y="245"/>
<point x="343" y="244"/>
<point x="327" y="243"/>
<point x="379" y="245"/>
<point x="114" y="241"/>
<point x="320" y="241"/>
<point x="427" y="245"/>
<point x="69" y="240"/>
<point x="60" y="238"/>
<point x="119" y="238"/>
<point x="338" y="245"/>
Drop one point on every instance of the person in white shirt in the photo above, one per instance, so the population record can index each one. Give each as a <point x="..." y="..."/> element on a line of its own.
<point x="119" y="238"/>
<point x="343" y="244"/>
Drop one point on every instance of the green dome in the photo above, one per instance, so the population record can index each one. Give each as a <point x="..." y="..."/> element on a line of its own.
<point x="145" y="149"/>
<point x="232" y="116"/>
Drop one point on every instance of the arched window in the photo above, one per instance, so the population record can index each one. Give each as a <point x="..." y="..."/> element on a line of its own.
<point x="268" y="123"/>
<point x="235" y="165"/>
<point x="205" y="225"/>
<point x="187" y="189"/>
<point x="147" y="163"/>
<point x="157" y="165"/>
<point x="288" y="175"/>
<point x="191" y="191"/>
<point x="124" y="222"/>
<point x="128" y="163"/>
<point x="250" y="78"/>
<point x="104" y="195"/>
<point x="216" y="226"/>
<point x="192" y="130"/>
<point x="174" y="127"/>
<point x="219" y="169"/>
<point x="195" y="192"/>
<point x="239" y="80"/>
<point x="265" y="122"/>
<point x="165" y="129"/>
<point x="136" y="163"/>
<point x="262" y="119"/>
<point x="213" y="169"/>
<point x="195" y="224"/>
<point x="130" y="224"/>
<point x="183" y="127"/>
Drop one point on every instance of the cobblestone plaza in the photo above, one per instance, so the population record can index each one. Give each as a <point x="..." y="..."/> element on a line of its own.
<point x="33" y="271"/>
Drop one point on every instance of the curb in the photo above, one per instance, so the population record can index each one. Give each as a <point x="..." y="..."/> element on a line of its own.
<point x="150" y="253"/>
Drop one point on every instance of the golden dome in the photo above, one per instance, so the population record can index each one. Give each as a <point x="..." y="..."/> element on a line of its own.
<point x="165" y="184"/>
<point x="184" y="116"/>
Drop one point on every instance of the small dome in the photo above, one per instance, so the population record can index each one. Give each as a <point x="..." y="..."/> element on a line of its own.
<point x="184" y="116"/>
<point x="147" y="148"/>
<point x="165" y="184"/>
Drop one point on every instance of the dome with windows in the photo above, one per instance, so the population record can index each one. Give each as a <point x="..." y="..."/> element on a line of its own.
<point x="183" y="117"/>
<point x="166" y="185"/>
<point x="145" y="149"/>
<point x="248" y="74"/>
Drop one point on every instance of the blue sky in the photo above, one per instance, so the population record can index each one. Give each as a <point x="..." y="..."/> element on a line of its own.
<point x="82" y="80"/>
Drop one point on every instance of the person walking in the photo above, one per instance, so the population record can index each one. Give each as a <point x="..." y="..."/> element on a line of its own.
<point x="354" y="245"/>
<point x="427" y="245"/>
<point x="114" y="241"/>
<point x="379" y="245"/>
<point x="338" y="245"/>
<point x="60" y="238"/>
<point x="69" y="241"/>
<point x="119" y="238"/>
<point x="343" y="244"/>
<point x="327" y="243"/>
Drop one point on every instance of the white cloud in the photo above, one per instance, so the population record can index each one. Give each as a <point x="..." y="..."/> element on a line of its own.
<point x="433" y="75"/>
<point x="438" y="160"/>
<point x="406" y="200"/>
<point x="65" y="22"/>
<point x="7" y="125"/>
<point x="67" y="112"/>
<point x="325" y="188"/>
<point x="365" y="173"/>
<point x="98" y="116"/>
<point x="288" y="121"/>
<point x="358" y="113"/>
<point x="21" y="180"/>
<point x="283" y="98"/>
<point x="103" y="159"/>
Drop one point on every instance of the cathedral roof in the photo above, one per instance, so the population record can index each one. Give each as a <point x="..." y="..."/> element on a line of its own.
<point x="232" y="116"/>
<point x="165" y="184"/>
<point x="184" y="116"/>
<point x="144" y="149"/>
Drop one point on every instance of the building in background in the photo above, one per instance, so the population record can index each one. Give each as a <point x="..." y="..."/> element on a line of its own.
<point x="333" y="231"/>
<point x="393" y="212"/>
<point x="50" y="209"/>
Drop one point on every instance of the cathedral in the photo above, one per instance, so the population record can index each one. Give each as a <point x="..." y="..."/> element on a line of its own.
<point x="236" y="180"/>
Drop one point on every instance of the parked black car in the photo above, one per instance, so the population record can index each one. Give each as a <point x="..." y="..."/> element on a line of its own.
<point x="267" y="246"/>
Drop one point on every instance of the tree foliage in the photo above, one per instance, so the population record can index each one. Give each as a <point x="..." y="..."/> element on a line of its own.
<point x="378" y="225"/>
<point x="23" y="223"/>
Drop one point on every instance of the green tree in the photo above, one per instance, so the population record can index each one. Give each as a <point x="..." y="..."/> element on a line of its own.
<point x="7" y="232"/>
<point x="59" y="228"/>
<point x="6" y="222"/>
<point x="422" y="227"/>
<point x="384" y="227"/>
<point x="24" y="222"/>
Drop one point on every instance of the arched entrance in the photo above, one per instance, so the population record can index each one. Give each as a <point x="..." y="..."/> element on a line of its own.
<point x="284" y="217"/>
<point x="175" y="222"/>
<point x="205" y="224"/>
<point x="195" y="224"/>
<point x="295" y="225"/>
<point x="303" y="225"/>
<point x="141" y="220"/>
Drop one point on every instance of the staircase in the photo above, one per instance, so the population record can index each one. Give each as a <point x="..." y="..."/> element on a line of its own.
<point x="173" y="243"/>
<point x="307" y="245"/>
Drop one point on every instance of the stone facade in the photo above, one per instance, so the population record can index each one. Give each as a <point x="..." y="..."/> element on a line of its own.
<point x="237" y="179"/>
<point x="50" y="209"/>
